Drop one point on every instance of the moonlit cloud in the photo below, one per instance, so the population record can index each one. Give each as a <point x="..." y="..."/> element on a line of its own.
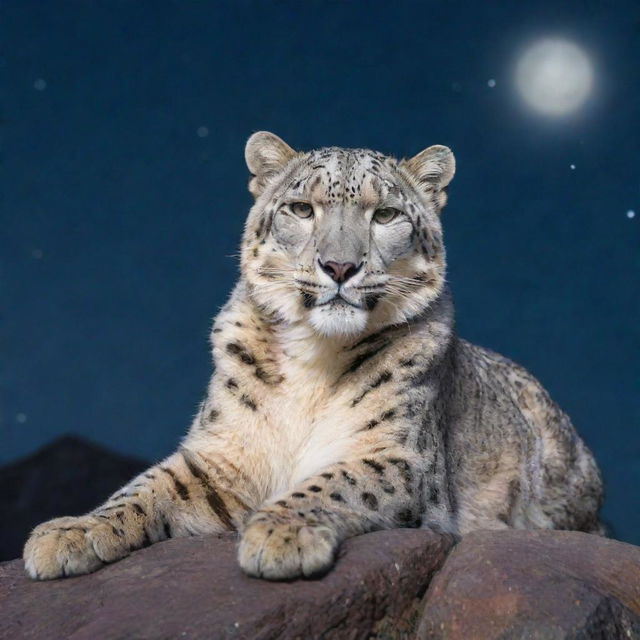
<point x="554" y="77"/>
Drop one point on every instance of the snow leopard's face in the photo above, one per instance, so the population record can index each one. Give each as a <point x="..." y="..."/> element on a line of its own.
<point x="344" y="239"/>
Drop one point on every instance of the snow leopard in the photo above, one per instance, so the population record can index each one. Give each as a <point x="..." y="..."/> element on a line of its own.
<point x="342" y="399"/>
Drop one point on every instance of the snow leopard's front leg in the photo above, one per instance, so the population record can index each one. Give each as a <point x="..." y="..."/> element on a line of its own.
<point x="183" y="495"/>
<point x="299" y="534"/>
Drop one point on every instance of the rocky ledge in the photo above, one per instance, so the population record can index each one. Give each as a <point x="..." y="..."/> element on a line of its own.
<point x="388" y="584"/>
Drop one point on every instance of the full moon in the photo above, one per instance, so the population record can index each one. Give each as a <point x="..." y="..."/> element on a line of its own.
<point x="554" y="77"/>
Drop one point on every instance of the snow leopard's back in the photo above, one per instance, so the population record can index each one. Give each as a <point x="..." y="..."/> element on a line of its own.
<point x="515" y="457"/>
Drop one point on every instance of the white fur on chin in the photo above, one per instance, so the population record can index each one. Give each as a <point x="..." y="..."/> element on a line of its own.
<point x="339" y="319"/>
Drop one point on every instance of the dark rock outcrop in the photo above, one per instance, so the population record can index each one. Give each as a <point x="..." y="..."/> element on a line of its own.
<point x="66" y="478"/>
<point x="193" y="588"/>
<point x="535" y="585"/>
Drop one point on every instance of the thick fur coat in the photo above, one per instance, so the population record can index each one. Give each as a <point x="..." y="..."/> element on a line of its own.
<point x="342" y="400"/>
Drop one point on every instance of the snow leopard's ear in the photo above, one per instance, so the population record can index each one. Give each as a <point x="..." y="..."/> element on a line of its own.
<point x="266" y="155"/>
<point x="432" y="168"/>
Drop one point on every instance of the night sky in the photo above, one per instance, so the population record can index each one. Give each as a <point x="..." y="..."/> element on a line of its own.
<point x="123" y="195"/>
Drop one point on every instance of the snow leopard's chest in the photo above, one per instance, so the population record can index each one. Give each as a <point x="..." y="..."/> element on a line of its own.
<point x="308" y="425"/>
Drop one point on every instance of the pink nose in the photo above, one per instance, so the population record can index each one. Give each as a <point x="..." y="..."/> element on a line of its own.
<point x="339" y="271"/>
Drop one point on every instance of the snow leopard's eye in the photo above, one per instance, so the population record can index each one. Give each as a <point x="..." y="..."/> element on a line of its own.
<point x="302" y="209"/>
<point x="386" y="215"/>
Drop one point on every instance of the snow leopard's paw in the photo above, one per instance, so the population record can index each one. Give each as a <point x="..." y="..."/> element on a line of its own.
<point x="281" y="548"/>
<point x="72" y="546"/>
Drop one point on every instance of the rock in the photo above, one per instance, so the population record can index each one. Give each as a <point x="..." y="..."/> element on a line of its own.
<point x="533" y="585"/>
<point x="193" y="588"/>
<point x="512" y="585"/>
<point x="66" y="478"/>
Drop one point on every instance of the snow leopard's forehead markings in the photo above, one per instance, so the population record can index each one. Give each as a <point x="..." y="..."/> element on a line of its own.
<point x="357" y="211"/>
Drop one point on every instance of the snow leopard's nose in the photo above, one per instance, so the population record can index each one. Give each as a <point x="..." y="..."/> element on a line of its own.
<point x="339" y="271"/>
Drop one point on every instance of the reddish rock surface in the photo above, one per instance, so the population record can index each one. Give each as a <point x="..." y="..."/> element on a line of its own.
<point x="534" y="585"/>
<point x="511" y="585"/>
<point x="193" y="588"/>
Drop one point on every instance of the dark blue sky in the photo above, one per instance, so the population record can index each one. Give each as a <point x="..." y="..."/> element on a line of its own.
<point x="123" y="194"/>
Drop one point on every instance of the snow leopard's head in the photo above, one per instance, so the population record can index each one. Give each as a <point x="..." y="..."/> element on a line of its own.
<point x="344" y="239"/>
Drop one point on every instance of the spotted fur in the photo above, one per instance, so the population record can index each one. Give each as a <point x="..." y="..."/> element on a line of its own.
<point x="338" y="408"/>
